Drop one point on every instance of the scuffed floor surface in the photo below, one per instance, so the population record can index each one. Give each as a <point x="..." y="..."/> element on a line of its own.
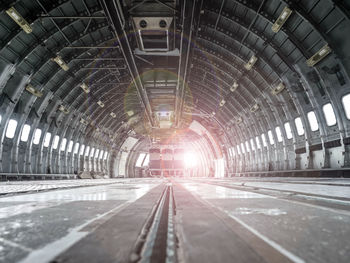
<point x="216" y="220"/>
<point x="36" y="186"/>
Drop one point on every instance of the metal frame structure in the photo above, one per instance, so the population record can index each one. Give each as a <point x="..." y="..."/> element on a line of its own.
<point x="216" y="40"/>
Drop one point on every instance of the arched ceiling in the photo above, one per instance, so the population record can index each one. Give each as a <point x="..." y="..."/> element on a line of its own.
<point x="210" y="42"/>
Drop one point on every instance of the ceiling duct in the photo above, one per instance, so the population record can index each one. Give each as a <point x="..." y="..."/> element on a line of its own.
<point x="153" y="33"/>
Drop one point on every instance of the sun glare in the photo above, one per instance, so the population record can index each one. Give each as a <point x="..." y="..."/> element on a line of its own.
<point x="190" y="160"/>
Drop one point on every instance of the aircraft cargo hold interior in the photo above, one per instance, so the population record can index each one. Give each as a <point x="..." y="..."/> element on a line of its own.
<point x="175" y="131"/>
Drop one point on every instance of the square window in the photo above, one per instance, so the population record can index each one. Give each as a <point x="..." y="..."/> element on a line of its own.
<point x="82" y="149"/>
<point x="252" y="144"/>
<point x="47" y="139"/>
<point x="288" y="130"/>
<point x="37" y="135"/>
<point x="11" y="129"/>
<point x="263" y="138"/>
<point x="25" y="133"/>
<point x="329" y="114"/>
<point x="299" y="125"/>
<point x="272" y="141"/>
<point x="247" y="146"/>
<point x="257" y="142"/>
<point x="55" y="142"/>
<point x="63" y="144"/>
<point x="311" y="116"/>
<point x="76" y="148"/>
<point x="242" y="148"/>
<point x="279" y="134"/>
<point x="346" y="104"/>
<point x="87" y="151"/>
<point x="92" y="152"/>
<point x="238" y="150"/>
<point x="70" y="146"/>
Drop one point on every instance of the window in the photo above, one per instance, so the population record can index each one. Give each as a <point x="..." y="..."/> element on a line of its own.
<point x="63" y="144"/>
<point x="238" y="150"/>
<point x="96" y="153"/>
<point x="140" y="159"/>
<point x="247" y="146"/>
<point x="263" y="138"/>
<point x="299" y="125"/>
<point x="11" y="129"/>
<point x="311" y="116"/>
<point x="252" y="144"/>
<point x="329" y="114"/>
<point x="257" y="142"/>
<point x="76" y="148"/>
<point x="55" y="142"/>
<point x="87" y="150"/>
<point x="0" y="118"/>
<point x="345" y="100"/>
<point x="37" y="135"/>
<point x="101" y="155"/>
<point x="242" y="148"/>
<point x="278" y="133"/>
<point x="92" y="152"/>
<point x="288" y="130"/>
<point x="70" y="146"/>
<point x="82" y="149"/>
<point x="105" y="156"/>
<point x="146" y="161"/>
<point x="232" y="150"/>
<point x="47" y="139"/>
<point x="272" y="141"/>
<point x="25" y="132"/>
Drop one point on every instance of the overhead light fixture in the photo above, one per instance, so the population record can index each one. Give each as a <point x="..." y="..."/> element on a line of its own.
<point x="321" y="54"/>
<point x="63" y="109"/>
<point x="222" y="102"/>
<point x="101" y="104"/>
<point x="239" y="120"/>
<point x="113" y="115"/>
<point x="13" y="13"/>
<point x="61" y="63"/>
<point x="251" y="62"/>
<point x="254" y="108"/>
<point x="286" y="12"/>
<point x="234" y="86"/>
<point x="33" y="91"/>
<point x="85" y="87"/>
<point x="278" y="89"/>
<point x="130" y="113"/>
<point x="84" y="122"/>
<point x="213" y="113"/>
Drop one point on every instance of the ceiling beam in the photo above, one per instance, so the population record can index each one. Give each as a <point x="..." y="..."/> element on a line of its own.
<point x="115" y="15"/>
<point x="189" y="13"/>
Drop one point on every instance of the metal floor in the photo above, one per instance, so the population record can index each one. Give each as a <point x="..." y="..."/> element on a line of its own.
<point x="177" y="220"/>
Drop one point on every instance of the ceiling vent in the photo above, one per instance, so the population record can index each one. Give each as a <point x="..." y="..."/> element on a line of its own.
<point x="153" y="33"/>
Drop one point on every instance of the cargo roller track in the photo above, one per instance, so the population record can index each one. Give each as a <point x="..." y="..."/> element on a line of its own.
<point x="157" y="240"/>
